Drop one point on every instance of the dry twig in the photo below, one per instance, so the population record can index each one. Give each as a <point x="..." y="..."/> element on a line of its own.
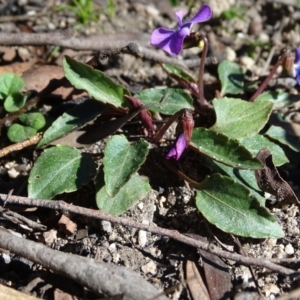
<point x="173" y="234"/>
<point x="96" y="43"/>
<point x="99" y="277"/>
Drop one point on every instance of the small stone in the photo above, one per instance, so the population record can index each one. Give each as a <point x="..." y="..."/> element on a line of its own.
<point x="13" y="173"/>
<point x="142" y="238"/>
<point x="50" y="237"/>
<point x="230" y="54"/>
<point x="6" y="258"/>
<point x="140" y="206"/>
<point x="289" y="249"/>
<point x="51" y="26"/>
<point x="271" y="288"/>
<point x="150" y="267"/>
<point x="248" y="62"/>
<point x="152" y="11"/>
<point x="112" y="247"/>
<point x="272" y="242"/>
<point x="106" y="226"/>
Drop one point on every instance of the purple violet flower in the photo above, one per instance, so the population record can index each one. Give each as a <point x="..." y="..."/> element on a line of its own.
<point x="178" y="148"/>
<point x="171" y="41"/>
<point x="297" y="65"/>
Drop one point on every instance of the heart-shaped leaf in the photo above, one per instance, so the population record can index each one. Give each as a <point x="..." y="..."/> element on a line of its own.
<point x="18" y="133"/>
<point x="230" y="206"/>
<point x="133" y="191"/>
<point x="10" y="84"/>
<point x="121" y="160"/>
<point x="239" y="119"/>
<point x="60" y="169"/>
<point x="35" y="120"/>
<point x="257" y="142"/>
<point x="175" y="100"/>
<point x="223" y="149"/>
<point x="72" y="119"/>
<point x="14" y="102"/>
<point x="231" y="76"/>
<point x="96" y="83"/>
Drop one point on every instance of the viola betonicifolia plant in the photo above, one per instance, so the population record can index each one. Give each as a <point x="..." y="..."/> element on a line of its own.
<point x="238" y="147"/>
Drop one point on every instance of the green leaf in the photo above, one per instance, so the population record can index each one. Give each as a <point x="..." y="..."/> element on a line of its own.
<point x="96" y="83"/>
<point x="175" y="100"/>
<point x="220" y="148"/>
<point x="60" y="169"/>
<point x="14" y="102"/>
<point x="231" y="76"/>
<point x="282" y="136"/>
<point x="239" y="119"/>
<point x="121" y="160"/>
<point x="19" y="133"/>
<point x="229" y="205"/>
<point x="245" y="177"/>
<point x="280" y="99"/>
<point x="170" y="69"/>
<point x="70" y="120"/>
<point x="35" y="120"/>
<point x="257" y="142"/>
<point x="10" y="84"/>
<point x="133" y="191"/>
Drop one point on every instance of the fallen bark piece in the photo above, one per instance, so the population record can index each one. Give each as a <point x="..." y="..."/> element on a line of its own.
<point x="195" y="283"/>
<point x="217" y="276"/>
<point x="99" y="277"/>
<point x="11" y="294"/>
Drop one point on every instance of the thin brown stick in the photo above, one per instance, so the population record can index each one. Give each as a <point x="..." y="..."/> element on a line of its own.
<point x="173" y="234"/>
<point x="99" y="277"/>
<point x="21" y="145"/>
<point x="20" y="220"/>
<point x="66" y="39"/>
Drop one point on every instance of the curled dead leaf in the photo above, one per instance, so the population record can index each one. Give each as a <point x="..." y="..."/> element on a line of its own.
<point x="269" y="180"/>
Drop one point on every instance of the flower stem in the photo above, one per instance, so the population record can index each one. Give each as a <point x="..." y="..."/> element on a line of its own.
<point x="268" y="78"/>
<point x="201" y="99"/>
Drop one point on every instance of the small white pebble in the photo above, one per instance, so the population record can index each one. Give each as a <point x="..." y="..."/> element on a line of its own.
<point x="152" y="11"/>
<point x="230" y="54"/>
<point x="155" y="252"/>
<point x="112" y="247"/>
<point x="51" y="26"/>
<point x="142" y="238"/>
<point x="150" y="267"/>
<point x="289" y="249"/>
<point x="247" y="61"/>
<point x="272" y="242"/>
<point x="6" y="258"/>
<point x="106" y="226"/>
<point x="140" y="206"/>
<point x="13" y="173"/>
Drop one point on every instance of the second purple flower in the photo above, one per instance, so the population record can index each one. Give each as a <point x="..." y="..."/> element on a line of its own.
<point x="171" y="41"/>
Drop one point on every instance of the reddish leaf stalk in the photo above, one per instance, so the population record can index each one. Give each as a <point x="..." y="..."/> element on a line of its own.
<point x="269" y="77"/>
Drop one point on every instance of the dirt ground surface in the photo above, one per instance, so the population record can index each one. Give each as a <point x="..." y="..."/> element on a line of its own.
<point x="251" y="33"/>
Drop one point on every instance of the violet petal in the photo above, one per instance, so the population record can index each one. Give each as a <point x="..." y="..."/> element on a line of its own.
<point x="179" y="14"/>
<point x="297" y="55"/>
<point x="203" y="15"/>
<point x="161" y="36"/>
<point x="178" y="148"/>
